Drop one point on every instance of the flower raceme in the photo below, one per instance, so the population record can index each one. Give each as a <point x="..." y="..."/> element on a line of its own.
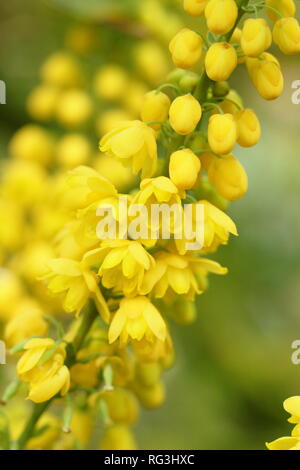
<point x="46" y="376"/>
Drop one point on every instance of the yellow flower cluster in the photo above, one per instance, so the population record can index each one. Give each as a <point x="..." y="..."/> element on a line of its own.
<point x="125" y="289"/>
<point x="292" y="442"/>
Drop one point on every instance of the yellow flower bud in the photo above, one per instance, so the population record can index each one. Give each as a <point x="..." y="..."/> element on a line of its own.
<point x="184" y="168"/>
<point x="32" y="143"/>
<point x="151" y="397"/>
<point x="266" y="75"/>
<point x="113" y="170"/>
<point x="42" y="101"/>
<point x="73" y="150"/>
<point x="286" y="35"/>
<point x="256" y="37"/>
<point x="229" y="177"/>
<point x="221" y="15"/>
<point x="185" y="113"/>
<point x="155" y="108"/>
<point x="286" y="8"/>
<point x="194" y="7"/>
<point x="222" y="133"/>
<point x="118" y="437"/>
<point x="220" y="61"/>
<point x="28" y="322"/>
<point x="148" y="374"/>
<point x="186" y="48"/>
<point x="74" y="108"/>
<point x="110" y="83"/>
<point x="61" y="70"/>
<point x="248" y="128"/>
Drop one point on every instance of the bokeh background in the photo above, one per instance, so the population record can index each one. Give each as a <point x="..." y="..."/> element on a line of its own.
<point x="233" y="367"/>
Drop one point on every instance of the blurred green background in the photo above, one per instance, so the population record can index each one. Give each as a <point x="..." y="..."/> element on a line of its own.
<point x="233" y="367"/>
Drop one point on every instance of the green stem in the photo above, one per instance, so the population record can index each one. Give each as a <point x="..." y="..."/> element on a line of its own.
<point x="88" y="319"/>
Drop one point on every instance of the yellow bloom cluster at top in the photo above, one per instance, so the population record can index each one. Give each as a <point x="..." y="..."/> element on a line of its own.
<point x="176" y="131"/>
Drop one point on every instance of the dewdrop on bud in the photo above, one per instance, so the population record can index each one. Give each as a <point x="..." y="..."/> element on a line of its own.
<point x="220" y="61"/>
<point x="286" y="35"/>
<point x="185" y="113"/>
<point x="155" y="107"/>
<point x="186" y="48"/>
<point x="256" y="37"/>
<point x="229" y="177"/>
<point x="221" y="15"/>
<point x="194" y="7"/>
<point x="184" y="168"/>
<point x="222" y="133"/>
<point x="248" y="128"/>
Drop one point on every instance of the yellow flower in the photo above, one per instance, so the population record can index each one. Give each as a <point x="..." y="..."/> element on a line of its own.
<point x="184" y="168"/>
<point x="217" y="228"/>
<point x="111" y="82"/>
<point x="194" y="7"/>
<point x="133" y="143"/>
<point x="286" y="8"/>
<point x="77" y="283"/>
<point x="122" y="405"/>
<point x="46" y="378"/>
<point x="248" y="128"/>
<point x="185" y="113"/>
<point x="155" y="108"/>
<point x="256" y="37"/>
<point x="110" y="119"/>
<point x="182" y="275"/>
<point x="74" y="108"/>
<point x="186" y="48"/>
<point x="266" y="75"/>
<point x="136" y="319"/>
<point x="23" y="182"/>
<point x="222" y="133"/>
<point x="122" y="265"/>
<point x="147" y="53"/>
<point x="292" y="406"/>
<point x="229" y="177"/>
<point x="113" y="170"/>
<point x="220" y="61"/>
<point x="221" y="15"/>
<point x="284" y="443"/>
<point x="87" y="186"/>
<point x="33" y="144"/>
<point x="286" y="35"/>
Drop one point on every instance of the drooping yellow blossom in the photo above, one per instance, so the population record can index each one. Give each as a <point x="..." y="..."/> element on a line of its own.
<point x="229" y="177"/>
<point x="184" y="168"/>
<point x="155" y="108"/>
<point x="182" y="275"/>
<point x="186" y="48"/>
<point x="185" y="113"/>
<point x="221" y="15"/>
<point x="122" y="265"/>
<point x="194" y="7"/>
<point x="137" y="318"/>
<point x="248" y="128"/>
<point x="220" y="61"/>
<point x="286" y="35"/>
<point x="77" y="283"/>
<point x="292" y="406"/>
<point x="133" y="143"/>
<point x="213" y="232"/>
<point x="46" y="377"/>
<point x="266" y="75"/>
<point x="256" y="37"/>
<point x="222" y="133"/>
